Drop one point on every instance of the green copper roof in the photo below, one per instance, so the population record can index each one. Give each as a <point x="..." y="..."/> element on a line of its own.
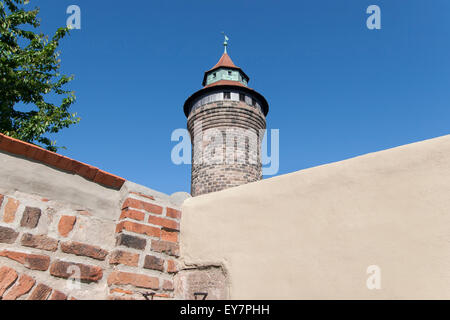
<point x="226" y="70"/>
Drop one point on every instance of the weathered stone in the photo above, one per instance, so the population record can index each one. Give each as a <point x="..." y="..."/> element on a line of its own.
<point x="240" y="164"/>
<point x="126" y="258"/>
<point x="81" y="249"/>
<point x="22" y="287"/>
<point x="154" y="263"/>
<point x="7" y="277"/>
<point x="168" y="285"/>
<point x="41" y="292"/>
<point x="131" y="242"/>
<point x="211" y="280"/>
<point x="171" y="266"/>
<point x="11" y="207"/>
<point x="30" y="218"/>
<point x="39" y="242"/>
<point x="8" y="235"/>
<point x="137" y="280"/>
<point x="83" y="272"/>
<point x="30" y="261"/>
<point x="169" y="248"/>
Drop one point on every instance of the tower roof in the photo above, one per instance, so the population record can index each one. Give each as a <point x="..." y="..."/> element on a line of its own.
<point x="225" y="63"/>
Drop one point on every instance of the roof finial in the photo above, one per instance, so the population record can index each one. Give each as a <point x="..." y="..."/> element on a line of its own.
<point x="225" y="43"/>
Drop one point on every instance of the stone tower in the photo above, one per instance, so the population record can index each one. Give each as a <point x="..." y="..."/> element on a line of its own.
<point x="226" y="121"/>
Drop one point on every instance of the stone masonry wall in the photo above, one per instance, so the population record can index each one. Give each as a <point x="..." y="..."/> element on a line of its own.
<point x="72" y="231"/>
<point x="232" y="120"/>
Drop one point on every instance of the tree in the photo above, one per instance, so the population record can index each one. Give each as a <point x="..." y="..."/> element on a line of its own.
<point x="29" y="76"/>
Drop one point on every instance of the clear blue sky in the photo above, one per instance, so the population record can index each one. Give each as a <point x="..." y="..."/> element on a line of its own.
<point x="336" y="89"/>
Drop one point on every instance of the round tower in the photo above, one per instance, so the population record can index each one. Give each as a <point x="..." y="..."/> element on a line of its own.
<point x="226" y="121"/>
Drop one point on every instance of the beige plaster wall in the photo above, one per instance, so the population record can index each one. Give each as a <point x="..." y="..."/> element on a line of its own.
<point x="312" y="234"/>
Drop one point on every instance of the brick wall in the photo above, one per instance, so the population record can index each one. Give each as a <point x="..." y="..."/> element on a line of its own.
<point x="45" y="243"/>
<point x="72" y="231"/>
<point x="147" y="248"/>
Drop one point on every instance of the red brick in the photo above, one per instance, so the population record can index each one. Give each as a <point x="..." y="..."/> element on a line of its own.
<point x="86" y="171"/>
<point x="138" y="228"/>
<point x="137" y="280"/>
<point x="30" y="217"/>
<point x="66" y="224"/>
<point x="162" y="296"/>
<point x="86" y="250"/>
<point x="163" y="222"/>
<point x="132" y="214"/>
<point x="8" y="235"/>
<point x="172" y="213"/>
<point x="142" y="205"/>
<point x="10" y="210"/>
<point x="64" y="163"/>
<point x="123" y="257"/>
<point x="152" y="208"/>
<point x="66" y="270"/>
<point x="169" y="236"/>
<point x="131" y="242"/>
<point x="39" y="242"/>
<point x="22" y="286"/>
<point x="58" y="295"/>
<point x="169" y="248"/>
<point x="30" y="261"/>
<point x="154" y="263"/>
<point x="41" y="292"/>
<point x="118" y="290"/>
<point x="7" y="278"/>
<point x="108" y="179"/>
<point x="132" y="203"/>
<point x="171" y="266"/>
<point x="168" y="285"/>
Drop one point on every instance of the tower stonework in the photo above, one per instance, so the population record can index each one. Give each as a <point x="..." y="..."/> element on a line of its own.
<point x="226" y="122"/>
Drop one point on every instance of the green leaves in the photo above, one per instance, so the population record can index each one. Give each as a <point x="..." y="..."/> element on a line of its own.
<point x="29" y="74"/>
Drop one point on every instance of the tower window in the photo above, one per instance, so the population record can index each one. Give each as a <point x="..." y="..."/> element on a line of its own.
<point x="241" y="97"/>
<point x="253" y="102"/>
<point x="229" y="73"/>
<point x="227" y="95"/>
<point x="214" y="75"/>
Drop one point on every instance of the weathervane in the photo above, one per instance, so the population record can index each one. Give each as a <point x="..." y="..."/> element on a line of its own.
<point x="225" y="43"/>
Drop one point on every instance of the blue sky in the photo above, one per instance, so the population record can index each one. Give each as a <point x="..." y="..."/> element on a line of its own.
<point x="336" y="89"/>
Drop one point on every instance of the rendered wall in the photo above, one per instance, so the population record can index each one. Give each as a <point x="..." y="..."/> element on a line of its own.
<point x="312" y="234"/>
